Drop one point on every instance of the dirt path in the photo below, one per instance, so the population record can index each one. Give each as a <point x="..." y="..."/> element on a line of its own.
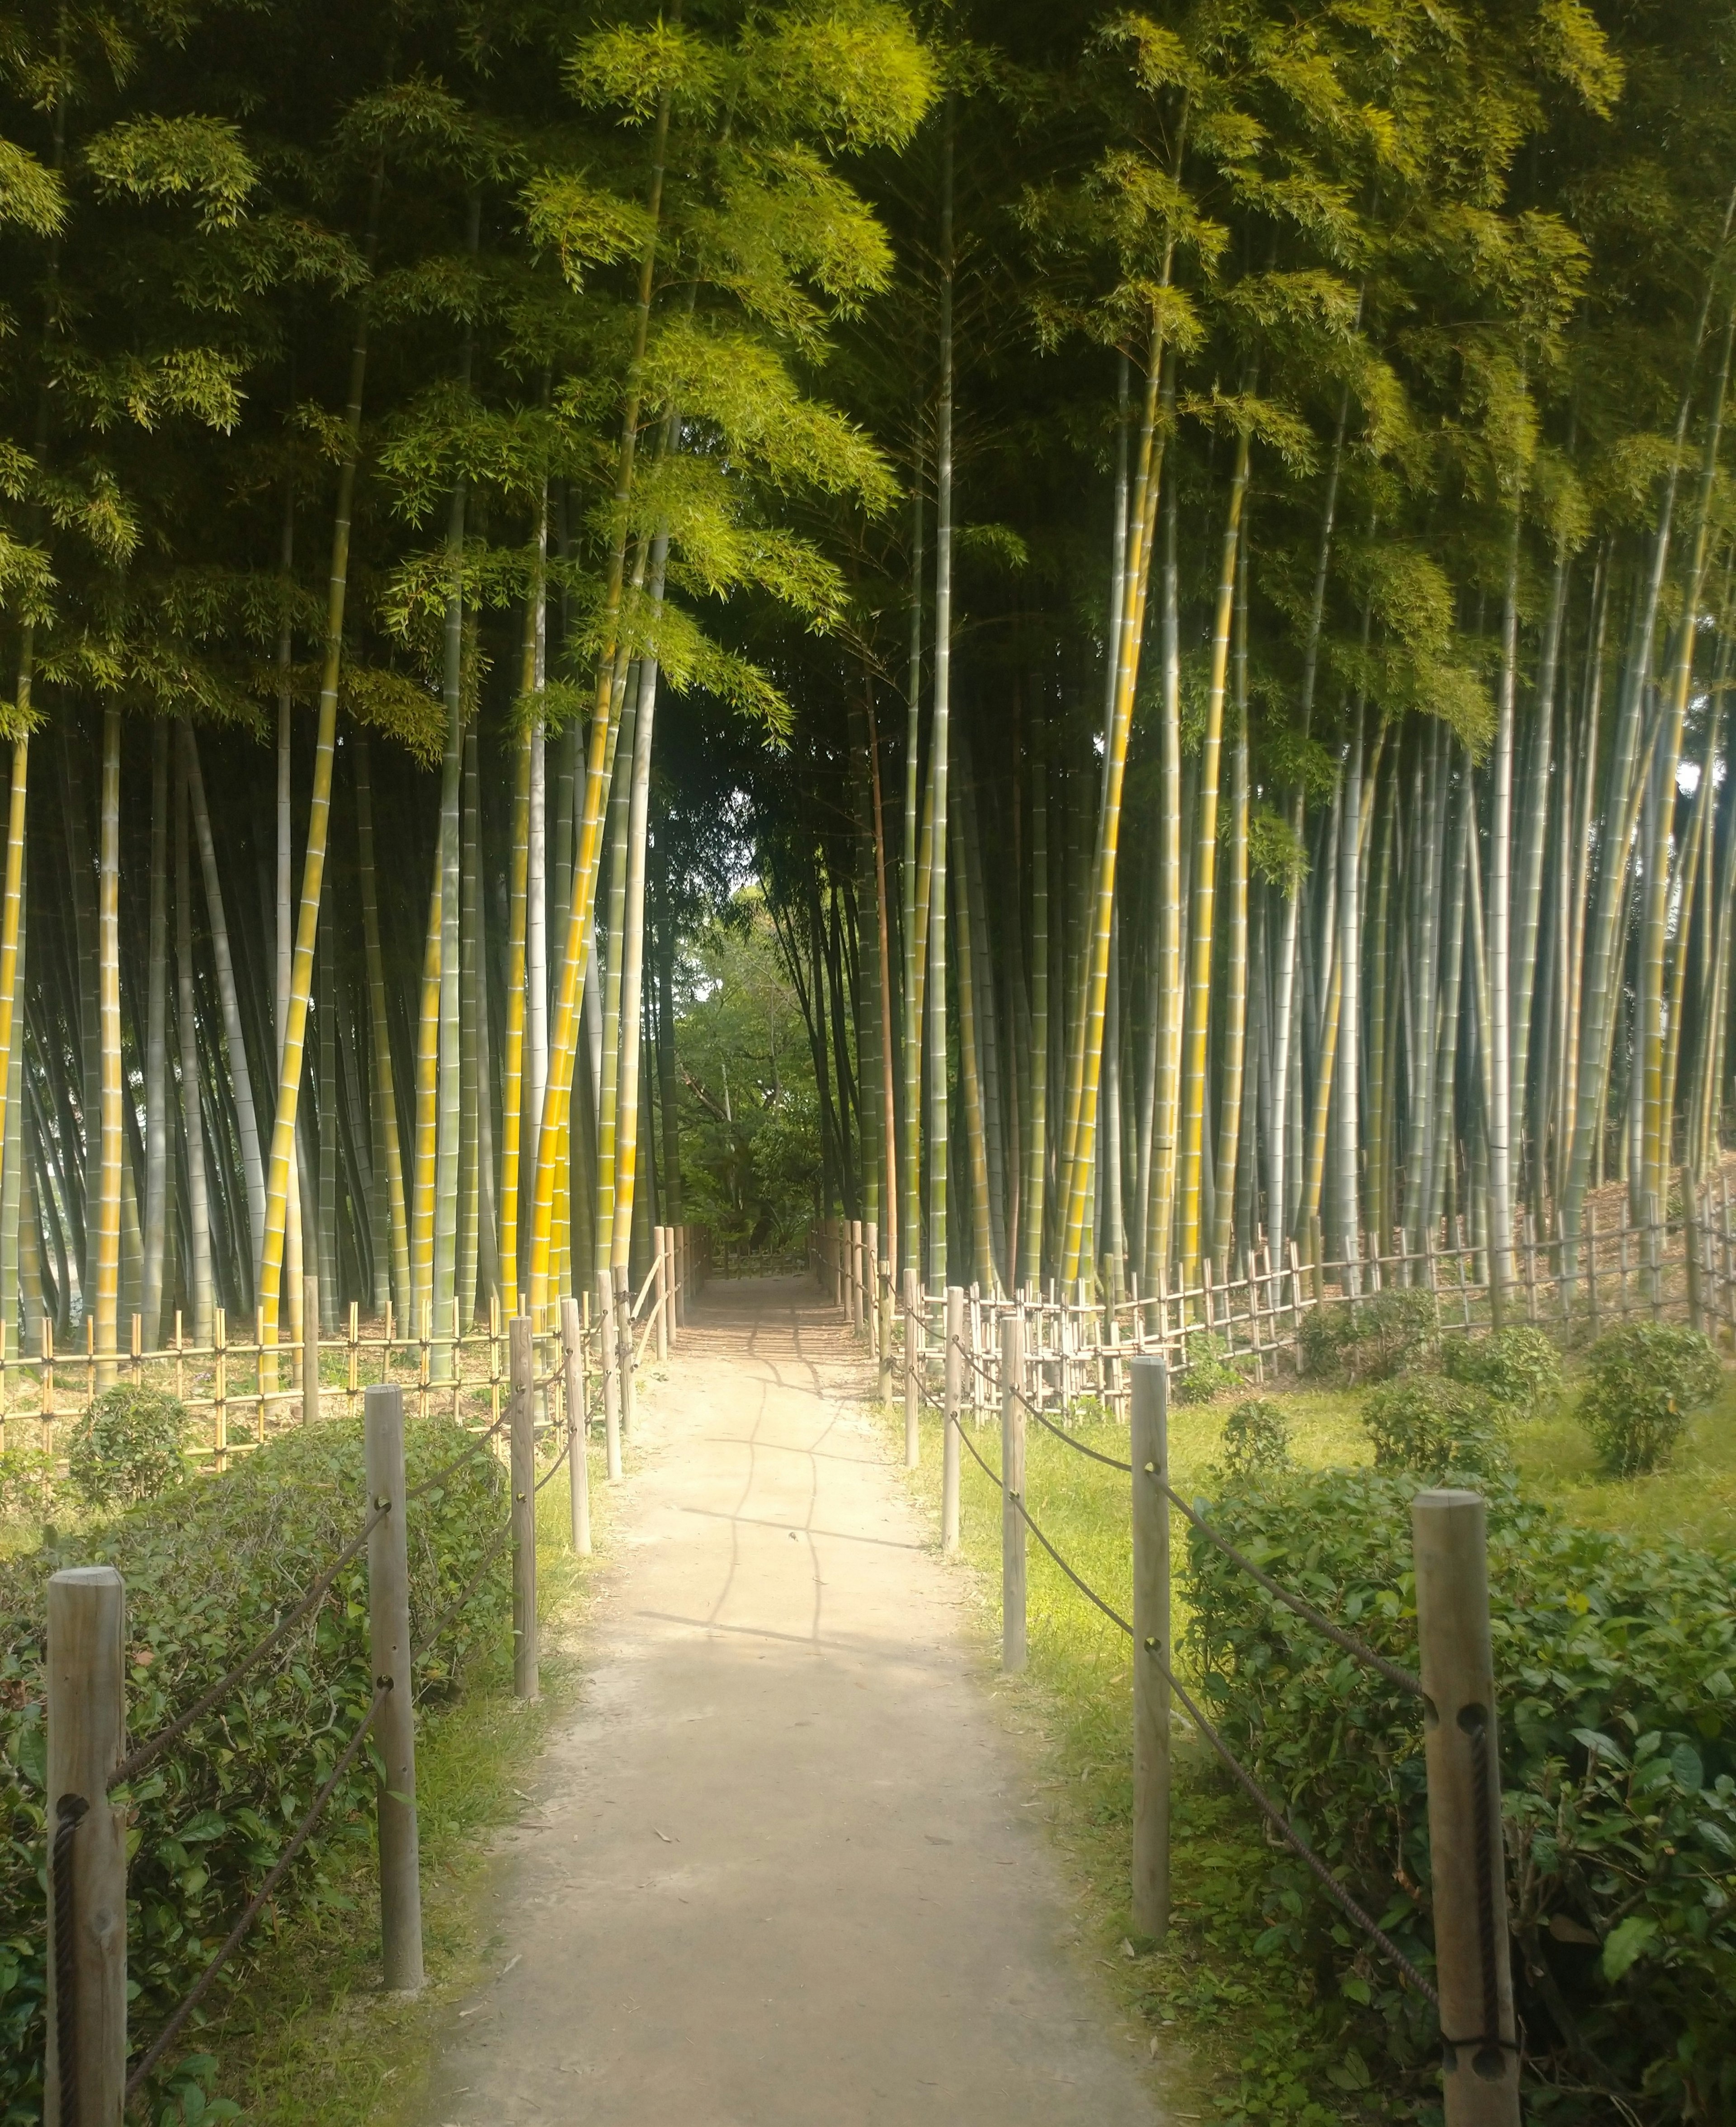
<point x="778" y="1871"/>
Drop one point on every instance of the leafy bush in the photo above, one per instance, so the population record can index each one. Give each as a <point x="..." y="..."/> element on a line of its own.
<point x="208" y="1569"/>
<point x="1367" y="1340"/>
<point x="1648" y="1378"/>
<point x="1256" y="1436"/>
<point x="27" y="1485"/>
<point x="1206" y="1371"/>
<point x="126" y="1448"/>
<point x="1614" y="1669"/>
<point x="1433" y="1428"/>
<point x="1518" y="1367"/>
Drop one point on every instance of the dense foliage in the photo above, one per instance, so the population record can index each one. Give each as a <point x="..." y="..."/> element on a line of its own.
<point x="1647" y="1379"/>
<point x="1613" y="1669"/>
<point x="1517" y="1366"/>
<point x="1367" y="1340"/>
<point x="208" y="1569"/>
<point x="127" y="1447"/>
<point x="1436" y="1430"/>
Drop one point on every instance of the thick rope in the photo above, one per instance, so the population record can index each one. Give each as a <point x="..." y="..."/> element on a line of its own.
<point x="237" y="1935"/>
<point x="149" y="1752"/>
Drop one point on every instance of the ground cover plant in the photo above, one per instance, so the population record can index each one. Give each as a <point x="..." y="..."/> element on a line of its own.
<point x="1647" y="1379"/>
<point x="1614" y="1659"/>
<point x="208" y="1568"/>
<point x="1436" y="1430"/>
<point x="1614" y="1664"/>
<point x="1516" y="1367"/>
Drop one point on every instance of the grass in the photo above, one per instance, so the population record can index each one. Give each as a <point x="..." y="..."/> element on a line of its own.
<point x="1244" y="2036"/>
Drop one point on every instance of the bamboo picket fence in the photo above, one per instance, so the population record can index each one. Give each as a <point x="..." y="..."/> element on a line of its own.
<point x="1666" y="1267"/>
<point x="237" y="1390"/>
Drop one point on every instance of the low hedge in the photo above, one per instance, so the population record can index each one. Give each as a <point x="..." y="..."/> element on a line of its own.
<point x="208" y="1569"/>
<point x="1618" y="1711"/>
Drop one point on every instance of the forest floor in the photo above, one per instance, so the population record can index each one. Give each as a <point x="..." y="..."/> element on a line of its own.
<point x="782" y="1863"/>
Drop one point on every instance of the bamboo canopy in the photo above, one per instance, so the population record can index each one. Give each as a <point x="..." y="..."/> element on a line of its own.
<point x="1179" y="568"/>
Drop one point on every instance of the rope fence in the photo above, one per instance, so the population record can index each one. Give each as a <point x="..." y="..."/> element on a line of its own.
<point x="89" y="1768"/>
<point x="1472" y="1989"/>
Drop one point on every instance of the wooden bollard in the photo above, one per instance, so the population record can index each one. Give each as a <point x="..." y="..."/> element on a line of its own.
<point x="624" y="1358"/>
<point x="950" y="1448"/>
<point x="579" y="1479"/>
<point x="522" y="1351"/>
<point x="1461" y="1744"/>
<point x="878" y="1342"/>
<point x="1012" y="1495"/>
<point x="607" y="1350"/>
<point x="661" y="1290"/>
<point x="852" y="1276"/>
<point x="310" y="1350"/>
<point x="395" y="1728"/>
<point x="1150" y="1454"/>
<point x="914" y="1341"/>
<point x="86" y="1731"/>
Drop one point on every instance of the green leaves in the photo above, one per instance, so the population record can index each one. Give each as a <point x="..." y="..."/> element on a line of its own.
<point x="30" y="197"/>
<point x="738" y="387"/>
<point x="585" y="226"/>
<point x="199" y="159"/>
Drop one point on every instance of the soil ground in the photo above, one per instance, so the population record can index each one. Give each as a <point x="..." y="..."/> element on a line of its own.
<point x="780" y="1865"/>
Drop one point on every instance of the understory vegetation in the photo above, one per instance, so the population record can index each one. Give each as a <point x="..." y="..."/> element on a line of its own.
<point x="209" y="1566"/>
<point x="1615" y="1638"/>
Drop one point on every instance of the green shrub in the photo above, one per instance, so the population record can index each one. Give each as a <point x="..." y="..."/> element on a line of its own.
<point x="1256" y="1436"/>
<point x="1614" y="1670"/>
<point x="1367" y="1340"/>
<point x="27" y="1486"/>
<point x="126" y="1448"/>
<point x="1648" y="1378"/>
<point x="208" y="1569"/>
<point x="1518" y="1367"/>
<point x="1206" y="1371"/>
<point x="1435" y="1429"/>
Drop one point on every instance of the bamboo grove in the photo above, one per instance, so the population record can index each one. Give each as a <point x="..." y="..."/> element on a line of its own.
<point x="1188" y="557"/>
<point x="1281" y="794"/>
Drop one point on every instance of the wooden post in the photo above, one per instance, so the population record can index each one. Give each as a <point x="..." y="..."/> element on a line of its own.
<point x="1590" y="1262"/>
<point x="86" y="1731"/>
<point x="389" y="1649"/>
<point x="579" y="1486"/>
<point x="852" y="1273"/>
<point x="882" y="1325"/>
<point x="1149" y="1440"/>
<point x="913" y="1344"/>
<point x="611" y="1385"/>
<point x="868" y="1258"/>
<point x="1690" y="1254"/>
<point x="521" y="1360"/>
<point x="310" y="1350"/>
<point x="624" y="1357"/>
<point x="1012" y="1496"/>
<point x="658" y="1234"/>
<point x="950" y="1449"/>
<point x="1480" y="2074"/>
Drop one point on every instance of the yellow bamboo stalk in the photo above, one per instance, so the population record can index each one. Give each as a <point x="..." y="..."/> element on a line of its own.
<point x="1205" y="873"/>
<point x="427" y="1124"/>
<point x="1140" y="531"/>
<point x="512" y="1089"/>
<point x="14" y="904"/>
<point x="108" y="993"/>
<point x="319" y="823"/>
